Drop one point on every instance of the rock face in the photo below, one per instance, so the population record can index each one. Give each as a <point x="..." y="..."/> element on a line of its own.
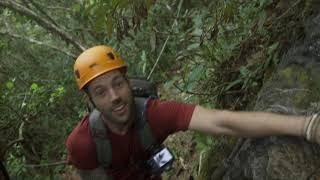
<point x="294" y="89"/>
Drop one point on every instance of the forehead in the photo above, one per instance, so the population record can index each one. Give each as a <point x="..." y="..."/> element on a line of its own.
<point x="105" y="78"/>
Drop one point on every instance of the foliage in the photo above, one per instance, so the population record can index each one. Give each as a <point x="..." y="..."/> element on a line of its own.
<point x="117" y="15"/>
<point x="216" y="53"/>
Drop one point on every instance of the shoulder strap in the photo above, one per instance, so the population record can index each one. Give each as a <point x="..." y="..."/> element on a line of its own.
<point x="99" y="134"/>
<point x="144" y="131"/>
<point x="103" y="144"/>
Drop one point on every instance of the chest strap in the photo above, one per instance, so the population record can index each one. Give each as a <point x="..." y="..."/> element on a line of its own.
<point x="103" y="144"/>
<point x="99" y="134"/>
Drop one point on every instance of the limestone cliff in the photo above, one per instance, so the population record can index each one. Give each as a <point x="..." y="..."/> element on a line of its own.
<point x="293" y="89"/>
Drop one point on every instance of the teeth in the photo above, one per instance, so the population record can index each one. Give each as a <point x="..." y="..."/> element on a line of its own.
<point x="118" y="108"/>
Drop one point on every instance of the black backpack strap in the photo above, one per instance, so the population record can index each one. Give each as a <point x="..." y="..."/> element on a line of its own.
<point x="146" y="137"/>
<point x="103" y="144"/>
<point x="99" y="134"/>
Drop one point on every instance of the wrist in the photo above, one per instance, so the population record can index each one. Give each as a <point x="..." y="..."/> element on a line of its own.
<point x="306" y="123"/>
<point x="310" y="127"/>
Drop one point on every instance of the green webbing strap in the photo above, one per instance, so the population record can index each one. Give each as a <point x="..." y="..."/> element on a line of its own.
<point x="99" y="134"/>
<point x="143" y="128"/>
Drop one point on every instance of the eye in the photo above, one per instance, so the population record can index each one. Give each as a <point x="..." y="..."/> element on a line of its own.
<point x="119" y="83"/>
<point x="99" y="92"/>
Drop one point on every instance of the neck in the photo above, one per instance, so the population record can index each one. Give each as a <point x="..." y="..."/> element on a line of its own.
<point x="117" y="128"/>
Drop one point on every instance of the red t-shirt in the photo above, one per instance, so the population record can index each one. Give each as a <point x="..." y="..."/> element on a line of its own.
<point x="164" y="119"/>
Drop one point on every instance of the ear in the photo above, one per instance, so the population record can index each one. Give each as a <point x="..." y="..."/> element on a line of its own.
<point x="126" y="77"/>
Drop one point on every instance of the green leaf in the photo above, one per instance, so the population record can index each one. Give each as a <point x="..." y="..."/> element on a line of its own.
<point x="109" y="23"/>
<point x="232" y="84"/>
<point x="193" y="46"/>
<point x="121" y="3"/>
<point x="203" y="141"/>
<point x="149" y="3"/>
<point x="34" y="86"/>
<point x="144" y="61"/>
<point x="261" y="21"/>
<point x="196" y="73"/>
<point x="61" y="90"/>
<point x="100" y="14"/>
<point x="153" y="40"/>
<point x="76" y="7"/>
<point x="168" y="84"/>
<point x="244" y="71"/>
<point x="272" y="48"/>
<point x="9" y="85"/>
<point x="264" y="3"/>
<point x="190" y="86"/>
<point x="228" y="12"/>
<point x="209" y="140"/>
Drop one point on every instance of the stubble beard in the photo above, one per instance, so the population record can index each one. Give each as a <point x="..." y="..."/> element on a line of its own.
<point x="124" y="120"/>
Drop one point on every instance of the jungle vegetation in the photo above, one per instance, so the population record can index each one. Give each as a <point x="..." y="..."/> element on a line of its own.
<point x="214" y="53"/>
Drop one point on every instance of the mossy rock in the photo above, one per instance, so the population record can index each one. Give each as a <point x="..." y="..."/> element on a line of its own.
<point x="293" y="89"/>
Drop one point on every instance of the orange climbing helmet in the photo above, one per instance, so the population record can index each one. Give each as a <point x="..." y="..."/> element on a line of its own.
<point x="94" y="62"/>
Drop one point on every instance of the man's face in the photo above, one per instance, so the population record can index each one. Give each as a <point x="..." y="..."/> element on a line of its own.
<point x="112" y="96"/>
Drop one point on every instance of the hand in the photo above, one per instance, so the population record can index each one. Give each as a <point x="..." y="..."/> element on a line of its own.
<point x="312" y="128"/>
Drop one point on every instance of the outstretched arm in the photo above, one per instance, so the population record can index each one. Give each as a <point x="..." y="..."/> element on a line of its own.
<point x="246" y="124"/>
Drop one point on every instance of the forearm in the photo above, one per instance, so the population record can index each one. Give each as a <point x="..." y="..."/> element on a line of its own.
<point x="258" y="124"/>
<point x="246" y="124"/>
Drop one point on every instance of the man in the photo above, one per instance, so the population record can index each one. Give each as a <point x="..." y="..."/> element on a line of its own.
<point x="101" y="74"/>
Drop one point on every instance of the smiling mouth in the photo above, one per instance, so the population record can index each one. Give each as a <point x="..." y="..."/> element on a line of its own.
<point x="119" y="109"/>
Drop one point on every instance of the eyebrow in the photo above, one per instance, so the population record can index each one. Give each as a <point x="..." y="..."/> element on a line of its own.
<point x="117" y="77"/>
<point x="94" y="89"/>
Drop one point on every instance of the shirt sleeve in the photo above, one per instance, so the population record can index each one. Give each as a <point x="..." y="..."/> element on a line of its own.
<point x="81" y="148"/>
<point x="167" y="117"/>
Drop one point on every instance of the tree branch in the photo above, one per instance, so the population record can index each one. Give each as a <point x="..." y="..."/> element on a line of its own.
<point x="165" y="43"/>
<point x="189" y="92"/>
<point x="17" y="113"/>
<point x="14" y="6"/>
<point x="46" y="165"/>
<point x="46" y="15"/>
<point x="73" y="56"/>
<point x="26" y="3"/>
<point x="58" y="8"/>
<point x="6" y="72"/>
<point x="11" y="143"/>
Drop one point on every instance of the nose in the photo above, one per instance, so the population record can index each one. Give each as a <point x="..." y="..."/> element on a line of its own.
<point x="114" y="96"/>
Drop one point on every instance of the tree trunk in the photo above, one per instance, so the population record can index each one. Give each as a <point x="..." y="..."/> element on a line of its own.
<point x="294" y="89"/>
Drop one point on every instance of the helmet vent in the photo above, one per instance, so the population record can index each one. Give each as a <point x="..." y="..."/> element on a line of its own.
<point x="77" y="74"/>
<point x="93" y="65"/>
<point x="111" y="56"/>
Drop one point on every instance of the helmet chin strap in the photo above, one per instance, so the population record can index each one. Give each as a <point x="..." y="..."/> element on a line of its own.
<point x="90" y="104"/>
